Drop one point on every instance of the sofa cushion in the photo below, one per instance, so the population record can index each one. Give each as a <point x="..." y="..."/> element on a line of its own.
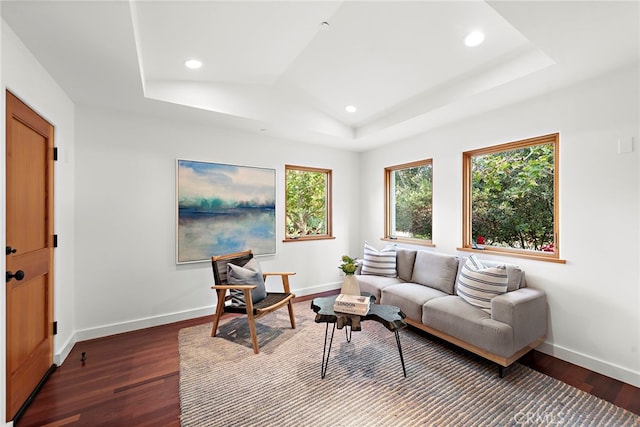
<point x="454" y="316"/>
<point x="516" y="275"/>
<point x="435" y="270"/>
<point x="409" y="297"/>
<point x="405" y="258"/>
<point x="375" y="284"/>
<point x="478" y="284"/>
<point x="250" y="274"/>
<point x="379" y="263"/>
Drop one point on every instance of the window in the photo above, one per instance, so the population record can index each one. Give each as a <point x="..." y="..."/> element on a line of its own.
<point x="510" y="198"/>
<point x="408" y="207"/>
<point x="307" y="203"/>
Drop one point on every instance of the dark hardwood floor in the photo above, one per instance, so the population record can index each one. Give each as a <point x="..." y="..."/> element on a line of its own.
<point x="131" y="379"/>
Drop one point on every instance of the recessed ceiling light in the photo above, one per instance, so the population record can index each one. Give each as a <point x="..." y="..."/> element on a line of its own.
<point x="193" y="64"/>
<point x="474" y="38"/>
<point x="350" y="109"/>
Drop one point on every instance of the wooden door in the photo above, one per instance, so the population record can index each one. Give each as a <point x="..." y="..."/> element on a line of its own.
<point x="29" y="275"/>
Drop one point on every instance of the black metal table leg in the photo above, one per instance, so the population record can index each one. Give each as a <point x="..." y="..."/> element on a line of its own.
<point x="325" y="361"/>
<point x="404" y="371"/>
<point x="347" y="331"/>
<point x="390" y="316"/>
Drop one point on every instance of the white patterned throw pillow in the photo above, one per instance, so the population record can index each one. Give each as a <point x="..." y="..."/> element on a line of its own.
<point x="379" y="263"/>
<point x="478" y="284"/>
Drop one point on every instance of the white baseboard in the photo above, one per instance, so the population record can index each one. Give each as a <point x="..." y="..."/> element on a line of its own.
<point x="603" y="367"/>
<point x="61" y="354"/>
<point x="147" y="322"/>
<point x="317" y="289"/>
<point x="600" y="366"/>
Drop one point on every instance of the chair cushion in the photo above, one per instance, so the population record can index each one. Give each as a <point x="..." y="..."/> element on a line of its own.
<point x="478" y="284"/>
<point x="379" y="263"/>
<point x="250" y="274"/>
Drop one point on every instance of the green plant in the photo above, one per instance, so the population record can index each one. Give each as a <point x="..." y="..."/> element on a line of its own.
<point x="349" y="265"/>
<point x="306" y="202"/>
<point x="513" y="198"/>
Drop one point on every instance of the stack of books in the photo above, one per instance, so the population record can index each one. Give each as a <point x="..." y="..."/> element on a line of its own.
<point x="352" y="304"/>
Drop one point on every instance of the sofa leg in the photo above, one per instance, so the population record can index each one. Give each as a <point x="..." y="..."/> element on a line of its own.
<point x="501" y="371"/>
<point x="529" y="358"/>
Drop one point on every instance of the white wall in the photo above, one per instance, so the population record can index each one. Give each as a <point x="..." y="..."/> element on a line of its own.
<point x="126" y="273"/>
<point x="115" y="211"/>
<point x="594" y="298"/>
<point x="25" y="78"/>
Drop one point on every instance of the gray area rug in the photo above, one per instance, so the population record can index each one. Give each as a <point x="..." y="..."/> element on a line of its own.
<point x="223" y="383"/>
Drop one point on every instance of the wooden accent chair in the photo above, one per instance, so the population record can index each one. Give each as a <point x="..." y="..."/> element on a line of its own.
<point x="273" y="301"/>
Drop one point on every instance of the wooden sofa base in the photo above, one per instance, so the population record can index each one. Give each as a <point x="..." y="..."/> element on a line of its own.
<point x="500" y="360"/>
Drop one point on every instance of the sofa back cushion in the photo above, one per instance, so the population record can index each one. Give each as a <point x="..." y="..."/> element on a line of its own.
<point x="405" y="258"/>
<point x="516" y="279"/>
<point x="435" y="270"/>
<point x="516" y="275"/>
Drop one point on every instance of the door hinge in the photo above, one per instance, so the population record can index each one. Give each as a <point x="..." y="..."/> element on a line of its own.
<point x="55" y="153"/>
<point x="55" y="328"/>
<point x="55" y="240"/>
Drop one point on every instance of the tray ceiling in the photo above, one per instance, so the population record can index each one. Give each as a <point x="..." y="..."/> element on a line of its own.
<point x="290" y="68"/>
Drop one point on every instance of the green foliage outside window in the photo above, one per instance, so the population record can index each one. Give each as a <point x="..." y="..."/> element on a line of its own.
<point x="307" y="202"/>
<point x="411" y="207"/>
<point x="513" y="198"/>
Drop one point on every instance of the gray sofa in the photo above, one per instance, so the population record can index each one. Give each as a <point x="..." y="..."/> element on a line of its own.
<point x="426" y="290"/>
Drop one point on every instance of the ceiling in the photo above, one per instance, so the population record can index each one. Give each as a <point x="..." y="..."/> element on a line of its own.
<point x="273" y="67"/>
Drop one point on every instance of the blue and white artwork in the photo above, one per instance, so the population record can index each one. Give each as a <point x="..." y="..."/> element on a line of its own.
<point x="224" y="209"/>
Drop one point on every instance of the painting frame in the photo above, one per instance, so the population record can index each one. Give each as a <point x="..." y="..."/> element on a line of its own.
<point x="223" y="208"/>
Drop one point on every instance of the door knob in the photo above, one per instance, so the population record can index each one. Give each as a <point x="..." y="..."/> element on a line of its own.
<point x="10" y="250"/>
<point x="19" y="275"/>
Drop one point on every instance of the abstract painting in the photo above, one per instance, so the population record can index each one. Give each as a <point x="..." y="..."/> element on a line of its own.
<point x="223" y="209"/>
